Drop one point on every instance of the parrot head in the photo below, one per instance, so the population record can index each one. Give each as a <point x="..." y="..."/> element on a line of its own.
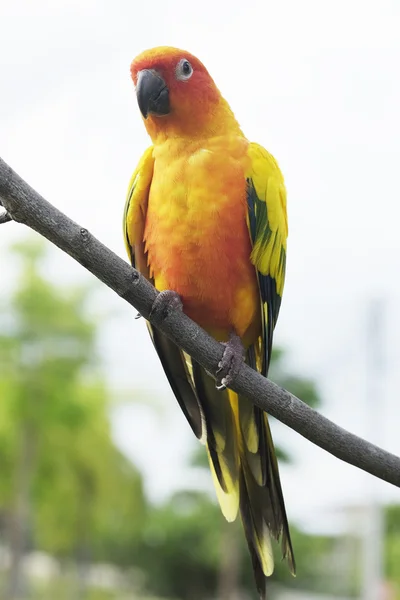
<point x="177" y="96"/>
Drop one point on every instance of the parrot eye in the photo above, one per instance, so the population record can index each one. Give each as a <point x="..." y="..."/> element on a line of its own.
<point x="184" y="70"/>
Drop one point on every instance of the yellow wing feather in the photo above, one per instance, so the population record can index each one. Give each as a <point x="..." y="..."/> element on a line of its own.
<point x="136" y="203"/>
<point x="267" y="221"/>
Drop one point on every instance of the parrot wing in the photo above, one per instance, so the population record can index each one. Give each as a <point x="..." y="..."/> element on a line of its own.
<point x="171" y="357"/>
<point x="261" y="500"/>
<point x="135" y="211"/>
<point x="267" y="220"/>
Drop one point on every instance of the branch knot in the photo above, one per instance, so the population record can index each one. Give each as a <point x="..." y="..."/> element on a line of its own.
<point x="85" y="235"/>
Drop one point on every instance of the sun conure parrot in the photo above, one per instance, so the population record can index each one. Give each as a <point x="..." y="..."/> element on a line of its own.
<point x="205" y="221"/>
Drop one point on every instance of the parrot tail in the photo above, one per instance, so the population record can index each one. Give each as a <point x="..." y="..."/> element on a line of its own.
<point x="245" y="472"/>
<point x="262" y="506"/>
<point x="240" y="452"/>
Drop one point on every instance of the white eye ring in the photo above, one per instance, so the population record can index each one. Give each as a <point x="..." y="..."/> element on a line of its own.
<point x="184" y="70"/>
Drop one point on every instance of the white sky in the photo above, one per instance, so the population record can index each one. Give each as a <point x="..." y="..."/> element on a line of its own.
<point x="315" y="82"/>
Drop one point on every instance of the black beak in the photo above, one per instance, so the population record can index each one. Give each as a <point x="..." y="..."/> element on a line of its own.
<point x="152" y="94"/>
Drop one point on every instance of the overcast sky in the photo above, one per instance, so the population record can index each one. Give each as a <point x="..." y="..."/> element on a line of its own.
<point x="318" y="84"/>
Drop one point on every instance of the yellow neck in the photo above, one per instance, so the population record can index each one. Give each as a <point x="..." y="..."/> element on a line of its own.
<point x="219" y="121"/>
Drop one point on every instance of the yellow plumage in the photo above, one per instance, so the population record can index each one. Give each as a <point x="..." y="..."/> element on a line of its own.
<point x="205" y="216"/>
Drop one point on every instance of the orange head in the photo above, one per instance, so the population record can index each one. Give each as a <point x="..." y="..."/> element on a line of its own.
<point x="177" y="96"/>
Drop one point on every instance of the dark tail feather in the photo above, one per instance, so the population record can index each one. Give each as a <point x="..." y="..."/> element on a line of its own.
<point x="250" y="530"/>
<point x="177" y="372"/>
<point x="262" y="506"/>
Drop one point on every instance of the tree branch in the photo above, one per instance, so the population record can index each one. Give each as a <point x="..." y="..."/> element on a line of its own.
<point x="26" y="206"/>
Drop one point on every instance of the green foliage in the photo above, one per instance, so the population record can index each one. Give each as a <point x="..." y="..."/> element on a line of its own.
<point x="392" y="545"/>
<point x="179" y="547"/>
<point x="63" y="480"/>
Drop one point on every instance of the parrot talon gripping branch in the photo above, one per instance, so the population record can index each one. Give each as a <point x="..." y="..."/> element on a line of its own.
<point x="165" y="301"/>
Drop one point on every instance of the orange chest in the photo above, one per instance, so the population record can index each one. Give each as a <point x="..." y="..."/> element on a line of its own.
<point x="196" y="234"/>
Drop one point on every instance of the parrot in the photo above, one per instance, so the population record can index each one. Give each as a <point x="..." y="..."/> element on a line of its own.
<point x="205" y="221"/>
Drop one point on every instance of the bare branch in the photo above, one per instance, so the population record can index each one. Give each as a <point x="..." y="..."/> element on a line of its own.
<point x="26" y="206"/>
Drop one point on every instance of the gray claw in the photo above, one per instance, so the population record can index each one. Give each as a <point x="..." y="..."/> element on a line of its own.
<point x="231" y="362"/>
<point x="223" y="385"/>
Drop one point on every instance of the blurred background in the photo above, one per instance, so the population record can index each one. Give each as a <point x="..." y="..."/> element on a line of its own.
<point x="104" y="493"/>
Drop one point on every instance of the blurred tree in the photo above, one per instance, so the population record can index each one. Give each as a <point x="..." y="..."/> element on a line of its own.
<point x="64" y="485"/>
<point x="392" y="546"/>
<point x="178" y="549"/>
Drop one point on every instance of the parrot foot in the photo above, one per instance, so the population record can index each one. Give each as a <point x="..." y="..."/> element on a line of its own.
<point x="165" y="302"/>
<point x="231" y="362"/>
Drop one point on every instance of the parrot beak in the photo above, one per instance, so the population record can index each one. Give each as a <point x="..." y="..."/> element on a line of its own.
<point x="152" y="94"/>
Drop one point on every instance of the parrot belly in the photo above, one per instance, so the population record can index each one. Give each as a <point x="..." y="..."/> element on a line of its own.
<point x="198" y="244"/>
